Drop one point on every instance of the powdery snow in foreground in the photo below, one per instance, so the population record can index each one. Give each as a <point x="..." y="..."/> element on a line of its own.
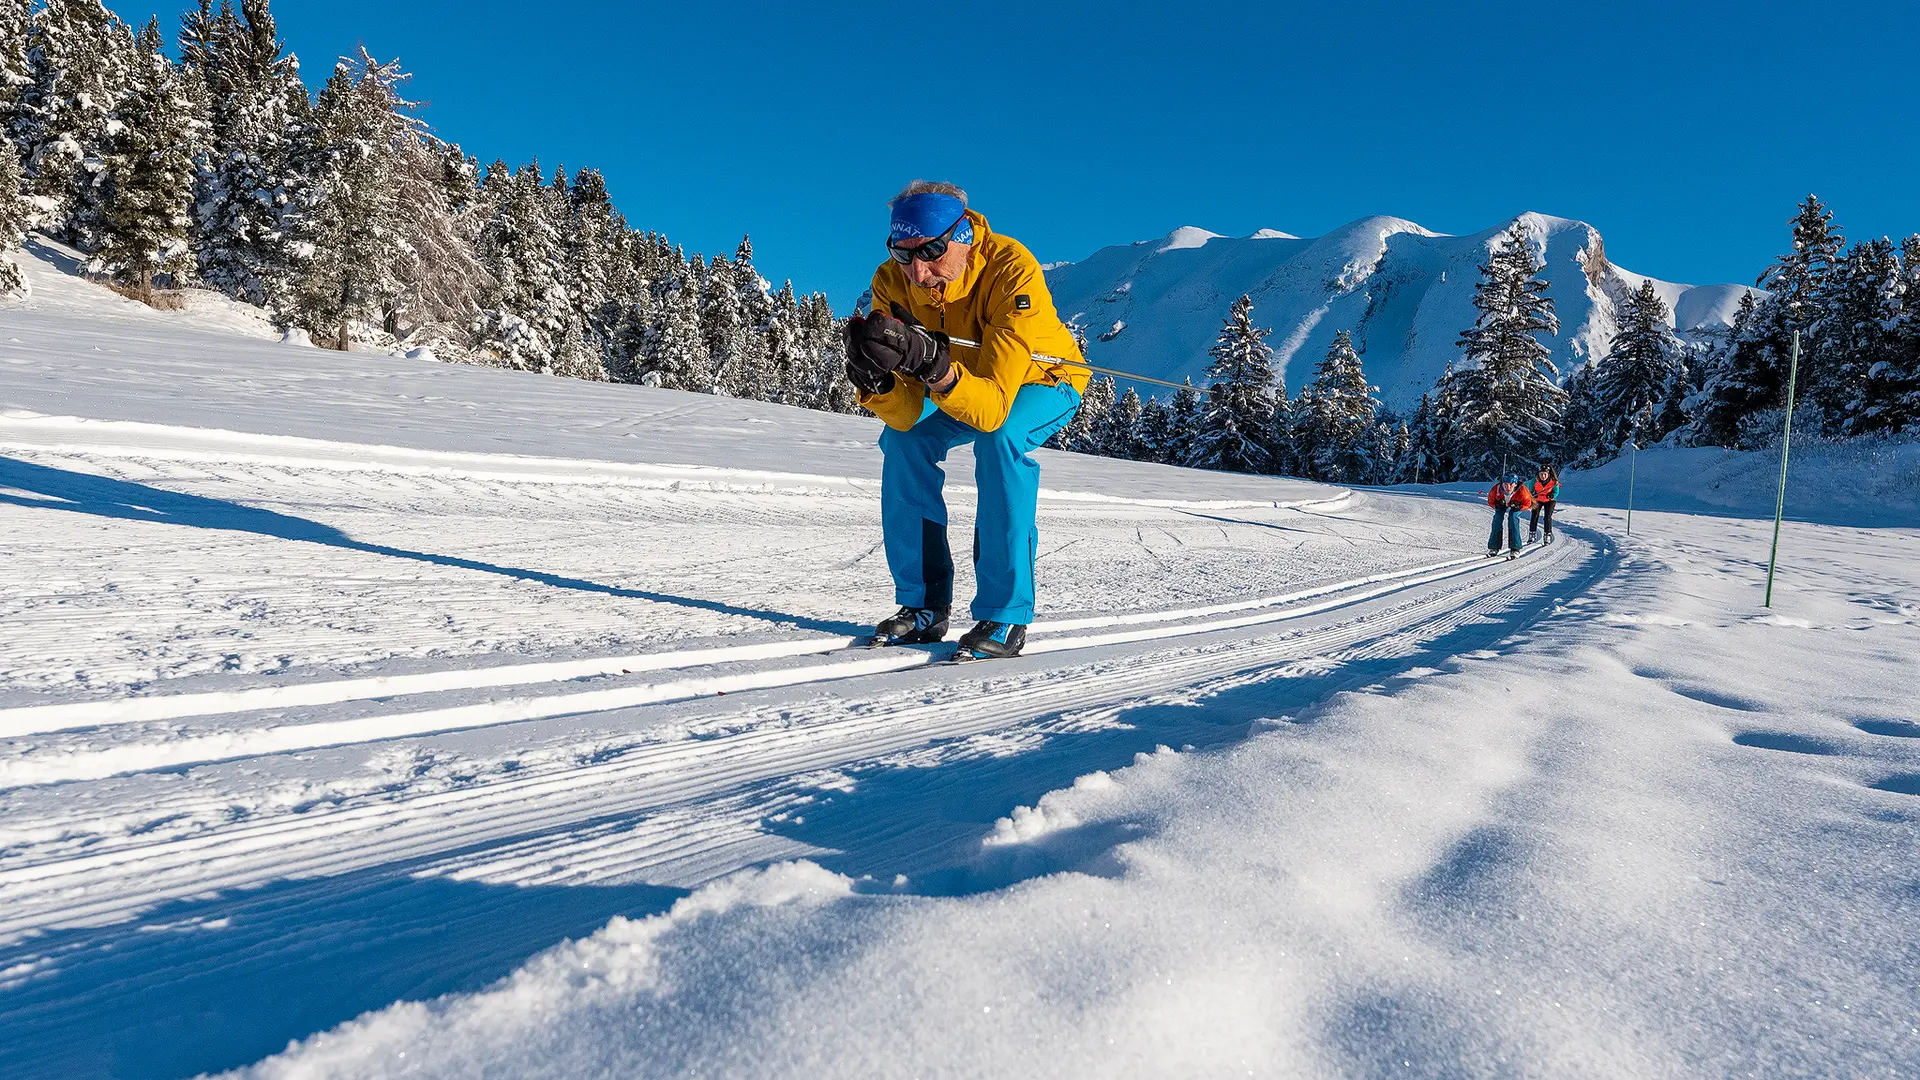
<point x="1661" y="833"/>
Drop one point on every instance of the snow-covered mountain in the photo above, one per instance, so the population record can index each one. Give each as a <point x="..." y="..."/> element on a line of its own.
<point x="1404" y="291"/>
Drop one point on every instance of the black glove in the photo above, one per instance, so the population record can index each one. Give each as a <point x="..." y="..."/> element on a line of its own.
<point x="870" y="377"/>
<point x="901" y="344"/>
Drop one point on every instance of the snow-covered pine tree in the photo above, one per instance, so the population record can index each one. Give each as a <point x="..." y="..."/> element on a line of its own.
<point x="13" y="218"/>
<point x="786" y="373"/>
<point x="1335" y="417"/>
<point x="522" y="251"/>
<point x="353" y="225"/>
<point x="1118" y="435"/>
<point x="1749" y="373"/>
<point x="1083" y="433"/>
<point x="248" y="187"/>
<point x="1508" y="403"/>
<point x="1156" y="439"/>
<point x="825" y="337"/>
<point x="1584" y="439"/>
<point x="1903" y="377"/>
<point x="147" y="185"/>
<point x="1236" y="428"/>
<point x="1855" y="337"/>
<point x="723" y="325"/>
<point x="755" y="299"/>
<point x="1183" y="423"/>
<point x="16" y="22"/>
<point x="677" y="356"/>
<point x="1420" y="464"/>
<point x="80" y="58"/>
<point x="1636" y="378"/>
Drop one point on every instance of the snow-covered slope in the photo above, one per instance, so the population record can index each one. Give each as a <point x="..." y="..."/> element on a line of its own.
<point x="1404" y="291"/>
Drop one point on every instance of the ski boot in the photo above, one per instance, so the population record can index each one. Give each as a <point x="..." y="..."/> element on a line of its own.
<point x="991" y="641"/>
<point x="911" y="626"/>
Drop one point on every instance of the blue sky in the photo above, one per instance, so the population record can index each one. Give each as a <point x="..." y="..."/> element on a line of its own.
<point x="1684" y="132"/>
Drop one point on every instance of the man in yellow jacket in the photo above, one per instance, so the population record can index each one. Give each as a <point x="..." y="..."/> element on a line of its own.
<point x="949" y="275"/>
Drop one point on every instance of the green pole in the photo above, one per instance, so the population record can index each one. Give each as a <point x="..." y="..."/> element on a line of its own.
<point x="1786" y="439"/>
<point x="1633" y="461"/>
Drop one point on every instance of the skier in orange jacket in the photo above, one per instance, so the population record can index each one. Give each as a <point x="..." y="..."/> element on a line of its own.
<point x="1507" y="498"/>
<point x="1546" y="494"/>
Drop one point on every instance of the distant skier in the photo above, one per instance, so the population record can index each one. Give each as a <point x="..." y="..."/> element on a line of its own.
<point x="948" y="273"/>
<point x="1546" y="493"/>
<point x="1507" y="498"/>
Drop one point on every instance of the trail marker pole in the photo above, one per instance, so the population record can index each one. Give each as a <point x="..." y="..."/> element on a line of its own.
<point x="1786" y="441"/>
<point x="1633" y="462"/>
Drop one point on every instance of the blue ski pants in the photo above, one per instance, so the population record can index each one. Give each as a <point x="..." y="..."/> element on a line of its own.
<point x="1512" y="518"/>
<point x="913" y="510"/>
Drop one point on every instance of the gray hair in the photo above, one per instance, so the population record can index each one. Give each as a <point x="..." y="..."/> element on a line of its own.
<point x="938" y="187"/>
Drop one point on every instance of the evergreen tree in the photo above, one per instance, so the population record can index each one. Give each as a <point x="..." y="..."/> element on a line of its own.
<point x="1421" y="462"/>
<point x="354" y="225"/>
<point x="1508" y="406"/>
<point x="13" y="218"/>
<point x="80" y="60"/>
<point x="16" y="72"/>
<point x="1749" y="373"/>
<point x="1118" y="434"/>
<point x="1156" y="442"/>
<point x="1635" y="380"/>
<point x="1855" y="336"/>
<point x="677" y="355"/>
<point x="1901" y="380"/>
<point x="1584" y="438"/>
<point x="1183" y="413"/>
<point x="1236" y="430"/>
<point x="1335" y="436"/>
<point x="522" y="252"/>
<point x="148" y="181"/>
<point x="1083" y="434"/>
<point x="248" y="189"/>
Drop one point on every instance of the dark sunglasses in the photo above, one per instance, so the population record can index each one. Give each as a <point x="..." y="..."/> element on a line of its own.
<point x="926" y="252"/>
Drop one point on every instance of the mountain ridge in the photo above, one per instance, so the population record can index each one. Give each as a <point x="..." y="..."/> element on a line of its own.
<point x="1404" y="291"/>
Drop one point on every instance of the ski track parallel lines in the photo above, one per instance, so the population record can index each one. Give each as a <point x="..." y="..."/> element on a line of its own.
<point x="113" y="884"/>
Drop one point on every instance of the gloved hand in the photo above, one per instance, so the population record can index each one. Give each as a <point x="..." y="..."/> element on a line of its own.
<point x="862" y="372"/>
<point x="914" y="350"/>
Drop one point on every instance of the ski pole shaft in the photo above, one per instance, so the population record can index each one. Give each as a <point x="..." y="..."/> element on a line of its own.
<point x="1095" y="368"/>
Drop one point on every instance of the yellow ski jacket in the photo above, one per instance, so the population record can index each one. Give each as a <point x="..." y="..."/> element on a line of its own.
<point x="1001" y="301"/>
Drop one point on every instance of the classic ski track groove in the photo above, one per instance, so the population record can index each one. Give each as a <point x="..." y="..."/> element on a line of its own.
<point x="93" y="764"/>
<point x="40" y="719"/>
<point x="690" y="776"/>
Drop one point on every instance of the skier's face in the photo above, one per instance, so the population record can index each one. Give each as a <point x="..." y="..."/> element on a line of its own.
<point x="948" y="267"/>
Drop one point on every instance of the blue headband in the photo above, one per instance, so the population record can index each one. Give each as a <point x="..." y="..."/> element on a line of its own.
<point x="929" y="214"/>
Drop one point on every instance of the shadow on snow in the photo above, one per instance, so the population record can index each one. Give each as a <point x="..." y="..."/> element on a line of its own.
<point x="100" y="496"/>
<point x="218" y="982"/>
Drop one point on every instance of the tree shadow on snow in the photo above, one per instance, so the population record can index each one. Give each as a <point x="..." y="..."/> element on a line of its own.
<point x="100" y="496"/>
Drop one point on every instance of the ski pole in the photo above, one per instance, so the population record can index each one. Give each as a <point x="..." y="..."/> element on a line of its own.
<point x="1095" y="368"/>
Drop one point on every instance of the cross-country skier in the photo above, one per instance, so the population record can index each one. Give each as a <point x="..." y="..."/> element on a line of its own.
<point x="948" y="273"/>
<point x="1546" y="493"/>
<point x="1507" y="498"/>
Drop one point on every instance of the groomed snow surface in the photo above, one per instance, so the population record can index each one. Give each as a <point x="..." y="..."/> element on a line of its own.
<point x="363" y="717"/>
